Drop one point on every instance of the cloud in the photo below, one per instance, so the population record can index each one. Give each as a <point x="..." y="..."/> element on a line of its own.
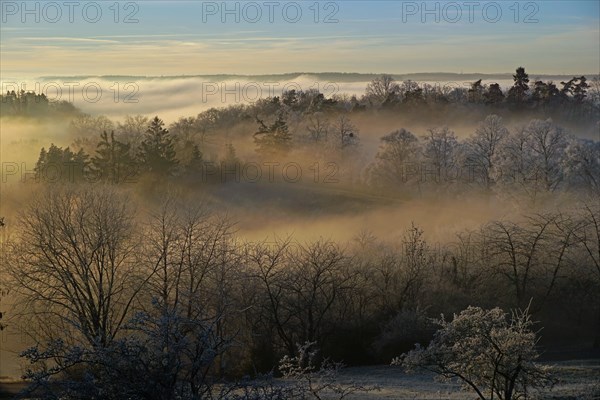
<point x="66" y="39"/>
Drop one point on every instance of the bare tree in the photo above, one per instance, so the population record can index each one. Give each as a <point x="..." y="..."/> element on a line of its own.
<point x="268" y="265"/>
<point x="588" y="240"/>
<point x="306" y="289"/>
<point x="582" y="164"/>
<point x="74" y="263"/>
<point x="318" y="128"/>
<point x="382" y="87"/>
<point x="346" y="133"/>
<point x="547" y="142"/>
<point x="132" y="130"/>
<point x="483" y="147"/>
<point x="516" y="253"/>
<point x="86" y="128"/>
<point x="319" y="279"/>
<point x="191" y="251"/>
<point x="440" y="147"/>
<point x="396" y="162"/>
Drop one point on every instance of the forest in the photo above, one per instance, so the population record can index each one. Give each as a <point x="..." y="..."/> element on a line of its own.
<point x="250" y="250"/>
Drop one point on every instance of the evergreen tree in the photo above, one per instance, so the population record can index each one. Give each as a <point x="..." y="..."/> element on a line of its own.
<point x="157" y="151"/>
<point x="544" y="93"/>
<point x="61" y="165"/>
<point x="113" y="162"/>
<point x="580" y="89"/>
<point x="196" y="161"/>
<point x="494" y="94"/>
<point x="518" y="92"/>
<point x="476" y="92"/>
<point x="567" y="89"/>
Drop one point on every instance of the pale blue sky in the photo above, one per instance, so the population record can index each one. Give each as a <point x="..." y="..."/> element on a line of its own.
<point x="189" y="37"/>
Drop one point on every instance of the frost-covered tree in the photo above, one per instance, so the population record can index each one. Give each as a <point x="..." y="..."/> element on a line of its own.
<point x="311" y="375"/>
<point x="491" y="353"/>
<point x="439" y="150"/>
<point x="132" y="130"/>
<point x="396" y="161"/>
<point x="516" y="162"/>
<point x="582" y="164"/>
<point x="382" y="88"/>
<point x="547" y="142"/>
<point x="482" y="148"/>
<point x="86" y="128"/>
<point x="81" y="274"/>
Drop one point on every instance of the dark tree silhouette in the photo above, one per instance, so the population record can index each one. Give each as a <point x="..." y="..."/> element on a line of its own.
<point x="518" y="92"/>
<point x="273" y="139"/>
<point x="494" y="94"/>
<point x="157" y="151"/>
<point x="476" y="92"/>
<point x="61" y="165"/>
<point x="381" y="88"/>
<point x="113" y="162"/>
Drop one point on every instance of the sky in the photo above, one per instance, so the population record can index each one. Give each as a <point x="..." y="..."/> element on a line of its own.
<point x="165" y="38"/>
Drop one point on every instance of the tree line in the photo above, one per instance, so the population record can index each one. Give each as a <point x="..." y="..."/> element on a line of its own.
<point x="573" y="99"/>
<point x="537" y="157"/>
<point x="169" y="301"/>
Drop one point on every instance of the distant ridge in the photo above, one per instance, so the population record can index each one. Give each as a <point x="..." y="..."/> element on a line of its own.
<point x="326" y="76"/>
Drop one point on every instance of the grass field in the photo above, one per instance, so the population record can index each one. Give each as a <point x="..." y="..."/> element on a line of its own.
<point x="578" y="380"/>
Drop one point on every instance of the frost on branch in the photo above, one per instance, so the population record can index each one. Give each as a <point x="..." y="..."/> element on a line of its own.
<point x="317" y="378"/>
<point x="490" y="353"/>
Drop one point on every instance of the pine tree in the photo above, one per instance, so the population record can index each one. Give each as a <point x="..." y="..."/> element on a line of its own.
<point x="544" y="93"/>
<point x="494" y="94"/>
<point x="196" y="161"/>
<point x="476" y="92"/>
<point x="157" y="151"/>
<point x="580" y="89"/>
<point x="113" y="162"/>
<point x="58" y="164"/>
<point x="518" y="92"/>
<point x="42" y="161"/>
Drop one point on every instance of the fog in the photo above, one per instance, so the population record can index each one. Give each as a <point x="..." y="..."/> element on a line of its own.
<point x="309" y="161"/>
<point x="119" y="96"/>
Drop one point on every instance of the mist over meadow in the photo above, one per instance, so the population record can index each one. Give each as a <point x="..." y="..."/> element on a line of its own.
<point x="262" y="213"/>
<point x="119" y="96"/>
